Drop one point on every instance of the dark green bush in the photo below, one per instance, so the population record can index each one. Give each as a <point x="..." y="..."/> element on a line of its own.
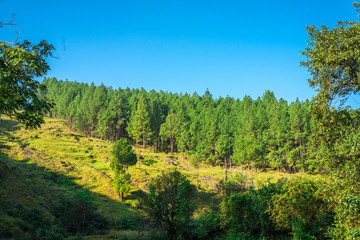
<point x="245" y="213"/>
<point x="207" y="226"/>
<point x="169" y="203"/>
<point x="128" y="224"/>
<point x="78" y="215"/>
<point x="300" y="207"/>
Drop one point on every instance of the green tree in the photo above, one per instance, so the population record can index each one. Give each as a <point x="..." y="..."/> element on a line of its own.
<point x="19" y="91"/>
<point x="121" y="182"/>
<point x="333" y="61"/>
<point x="113" y="119"/>
<point x="195" y="161"/>
<point x="123" y="156"/>
<point x="169" y="203"/>
<point x="222" y="149"/>
<point x="140" y="125"/>
<point x="171" y="128"/>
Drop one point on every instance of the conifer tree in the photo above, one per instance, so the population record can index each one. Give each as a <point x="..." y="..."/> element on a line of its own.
<point x="140" y="127"/>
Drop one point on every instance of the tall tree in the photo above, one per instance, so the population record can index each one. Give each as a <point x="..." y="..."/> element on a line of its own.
<point x="171" y="129"/>
<point x="140" y="125"/>
<point x="333" y="61"/>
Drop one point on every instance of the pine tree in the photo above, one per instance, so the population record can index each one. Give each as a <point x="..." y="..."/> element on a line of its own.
<point x="140" y="127"/>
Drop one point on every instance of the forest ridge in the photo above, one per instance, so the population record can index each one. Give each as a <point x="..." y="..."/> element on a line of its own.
<point x="262" y="133"/>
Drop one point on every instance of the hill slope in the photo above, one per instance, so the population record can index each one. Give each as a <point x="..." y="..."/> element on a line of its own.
<point x="40" y="168"/>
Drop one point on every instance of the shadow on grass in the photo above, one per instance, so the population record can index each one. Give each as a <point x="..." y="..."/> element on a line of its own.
<point x="9" y="125"/>
<point x="207" y="200"/>
<point x="34" y="199"/>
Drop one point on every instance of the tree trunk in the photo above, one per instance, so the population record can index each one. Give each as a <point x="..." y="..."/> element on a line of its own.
<point x="144" y="136"/>
<point x="197" y="177"/>
<point x="252" y="169"/>
<point x="136" y="144"/>
<point x="225" y="169"/>
<point x="172" y="146"/>
<point x="121" y="194"/>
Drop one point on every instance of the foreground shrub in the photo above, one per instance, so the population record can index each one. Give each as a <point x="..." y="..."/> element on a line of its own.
<point x="245" y="214"/>
<point x="207" y="226"/>
<point x="344" y="200"/>
<point x="301" y="208"/>
<point x="78" y="215"/>
<point x="169" y="203"/>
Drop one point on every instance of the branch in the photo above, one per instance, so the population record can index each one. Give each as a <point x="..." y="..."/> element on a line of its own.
<point x="14" y="42"/>
<point x="9" y="23"/>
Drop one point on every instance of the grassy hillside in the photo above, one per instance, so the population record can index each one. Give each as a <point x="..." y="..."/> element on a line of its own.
<point x="37" y="167"/>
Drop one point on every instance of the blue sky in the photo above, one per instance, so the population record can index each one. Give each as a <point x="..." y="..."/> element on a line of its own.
<point x="233" y="48"/>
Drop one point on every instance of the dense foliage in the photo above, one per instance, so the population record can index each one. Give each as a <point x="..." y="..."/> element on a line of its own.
<point x="265" y="132"/>
<point x="168" y="203"/>
<point x="333" y="61"/>
<point x="123" y="156"/>
<point x="300" y="207"/>
<point x="19" y="91"/>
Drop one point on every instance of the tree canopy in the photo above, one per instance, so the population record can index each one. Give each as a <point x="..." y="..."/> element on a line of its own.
<point x="123" y="156"/>
<point x="266" y="131"/>
<point x="169" y="203"/>
<point x="21" y="95"/>
<point x="333" y="59"/>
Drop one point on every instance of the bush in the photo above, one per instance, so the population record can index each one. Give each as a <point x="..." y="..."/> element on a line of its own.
<point x="78" y="215"/>
<point x="23" y="144"/>
<point x="169" y="203"/>
<point x="345" y="202"/>
<point x="207" y="226"/>
<point x="301" y="208"/>
<point x="246" y="213"/>
<point x="128" y="224"/>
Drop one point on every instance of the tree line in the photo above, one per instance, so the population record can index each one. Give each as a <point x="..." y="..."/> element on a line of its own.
<point x="255" y="133"/>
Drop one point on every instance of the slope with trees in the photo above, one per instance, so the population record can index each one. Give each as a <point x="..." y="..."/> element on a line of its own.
<point x="261" y="133"/>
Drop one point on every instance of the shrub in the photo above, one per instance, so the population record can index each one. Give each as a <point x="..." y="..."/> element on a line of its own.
<point x="245" y="213"/>
<point x="300" y="208"/>
<point x="169" y="203"/>
<point x="78" y="215"/>
<point x="207" y="226"/>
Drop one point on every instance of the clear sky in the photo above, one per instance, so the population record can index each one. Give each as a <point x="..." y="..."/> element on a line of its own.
<point x="233" y="48"/>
